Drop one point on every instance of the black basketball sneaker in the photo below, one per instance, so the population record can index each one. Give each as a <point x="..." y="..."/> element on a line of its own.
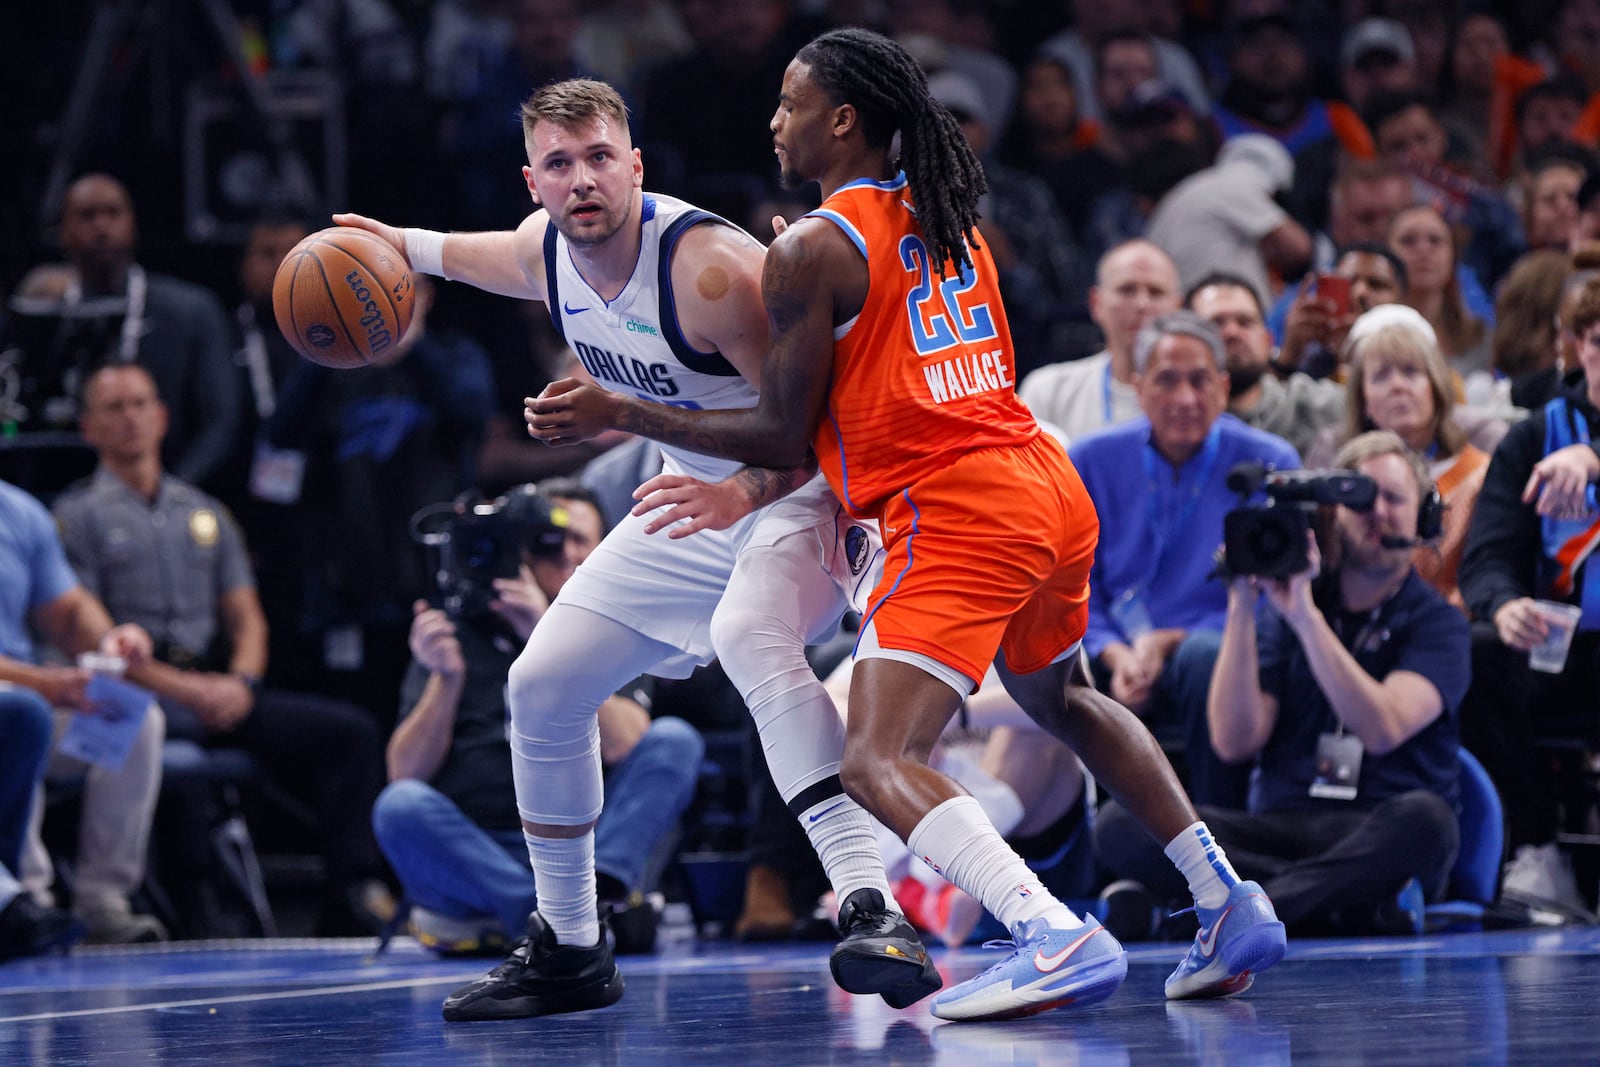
<point x="540" y="977"/>
<point x="880" y="952"/>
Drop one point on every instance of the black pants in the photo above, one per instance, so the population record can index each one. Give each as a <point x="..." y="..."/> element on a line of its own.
<point x="1509" y="705"/>
<point x="1314" y="865"/>
<point x="325" y="752"/>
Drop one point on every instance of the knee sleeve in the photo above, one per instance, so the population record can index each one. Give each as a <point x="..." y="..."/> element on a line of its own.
<point x="801" y="732"/>
<point x="554" y="690"/>
<point x="763" y="654"/>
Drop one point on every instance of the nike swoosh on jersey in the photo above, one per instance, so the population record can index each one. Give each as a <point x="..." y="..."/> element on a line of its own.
<point x="1046" y="964"/>
<point x="570" y="310"/>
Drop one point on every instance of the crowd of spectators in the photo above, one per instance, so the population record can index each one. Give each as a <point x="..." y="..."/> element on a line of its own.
<point x="1376" y="217"/>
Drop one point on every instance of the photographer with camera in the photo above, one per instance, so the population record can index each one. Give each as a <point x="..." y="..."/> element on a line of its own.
<point x="448" y="818"/>
<point x="1348" y="708"/>
<point x="1157" y="484"/>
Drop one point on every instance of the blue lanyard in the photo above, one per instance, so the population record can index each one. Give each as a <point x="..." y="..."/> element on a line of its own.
<point x="1153" y="462"/>
<point x="1105" y="393"/>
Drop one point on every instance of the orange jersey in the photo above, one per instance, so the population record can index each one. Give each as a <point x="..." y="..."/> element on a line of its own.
<point x="926" y="372"/>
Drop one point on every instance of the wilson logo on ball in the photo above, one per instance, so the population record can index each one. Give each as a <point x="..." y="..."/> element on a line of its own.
<point x="343" y="298"/>
<point x="378" y="336"/>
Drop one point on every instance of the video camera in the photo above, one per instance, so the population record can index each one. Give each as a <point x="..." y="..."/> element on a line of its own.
<point x="479" y="541"/>
<point x="1269" y="540"/>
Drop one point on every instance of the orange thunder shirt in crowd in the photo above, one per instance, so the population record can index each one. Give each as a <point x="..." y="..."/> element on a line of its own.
<point x="925" y="372"/>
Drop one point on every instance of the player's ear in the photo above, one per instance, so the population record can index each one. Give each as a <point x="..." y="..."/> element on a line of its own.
<point x="844" y="119"/>
<point x="638" y="170"/>
<point x="527" y="176"/>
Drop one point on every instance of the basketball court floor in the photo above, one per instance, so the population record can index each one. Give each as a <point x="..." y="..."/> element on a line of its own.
<point x="1512" y="997"/>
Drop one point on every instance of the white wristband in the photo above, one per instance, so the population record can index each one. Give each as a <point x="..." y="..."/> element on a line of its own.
<point x="425" y="250"/>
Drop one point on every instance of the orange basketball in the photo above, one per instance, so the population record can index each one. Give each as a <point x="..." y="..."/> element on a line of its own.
<point x="343" y="297"/>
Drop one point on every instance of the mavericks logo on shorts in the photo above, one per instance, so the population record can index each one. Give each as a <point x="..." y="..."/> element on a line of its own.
<point x="857" y="547"/>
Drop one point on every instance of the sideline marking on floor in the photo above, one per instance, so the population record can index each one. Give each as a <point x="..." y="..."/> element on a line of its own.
<point x="242" y="998"/>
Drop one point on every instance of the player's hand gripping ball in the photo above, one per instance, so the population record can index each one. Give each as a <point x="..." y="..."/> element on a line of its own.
<point x="343" y="297"/>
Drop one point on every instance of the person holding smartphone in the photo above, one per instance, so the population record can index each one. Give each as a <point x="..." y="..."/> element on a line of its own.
<point x="1321" y="314"/>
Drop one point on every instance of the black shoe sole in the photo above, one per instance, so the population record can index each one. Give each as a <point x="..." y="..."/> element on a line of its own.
<point x="554" y="1002"/>
<point x="900" y="979"/>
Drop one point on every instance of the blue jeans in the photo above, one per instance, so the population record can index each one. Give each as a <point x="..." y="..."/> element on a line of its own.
<point x="449" y="865"/>
<point x="26" y="729"/>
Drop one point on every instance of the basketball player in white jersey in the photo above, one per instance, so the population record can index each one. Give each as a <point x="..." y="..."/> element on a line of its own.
<point x="662" y="300"/>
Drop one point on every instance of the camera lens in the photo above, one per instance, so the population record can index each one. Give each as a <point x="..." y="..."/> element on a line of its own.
<point x="1266" y="541"/>
<point x="1269" y="541"/>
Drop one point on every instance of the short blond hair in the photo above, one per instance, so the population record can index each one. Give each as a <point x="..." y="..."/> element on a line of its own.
<point x="572" y="103"/>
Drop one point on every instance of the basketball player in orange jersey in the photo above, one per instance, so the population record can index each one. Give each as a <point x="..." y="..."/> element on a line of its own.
<point x="891" y="358"/>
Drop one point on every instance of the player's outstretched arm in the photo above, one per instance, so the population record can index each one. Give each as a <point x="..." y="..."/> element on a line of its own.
<point x="508" y="262"/>
<point x="797" y="288"/>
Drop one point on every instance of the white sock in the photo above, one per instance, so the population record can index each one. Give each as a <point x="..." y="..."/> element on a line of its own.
<point x="957" y="840"/>
<point x="1196" y="853"/>
<point x="998" y="800"/>
<point x="843" y="837"/>
<point x="563" y="876"/>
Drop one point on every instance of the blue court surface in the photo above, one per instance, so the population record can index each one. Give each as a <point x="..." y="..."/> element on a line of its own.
<point x="1512" y="997"/>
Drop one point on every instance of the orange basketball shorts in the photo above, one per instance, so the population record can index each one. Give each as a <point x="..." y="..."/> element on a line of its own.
<point x="991" y="551"/>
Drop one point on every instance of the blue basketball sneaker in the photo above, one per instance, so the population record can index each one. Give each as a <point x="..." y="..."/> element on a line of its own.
<point x="1236" y="942"/>
<point x="1048" y="968"/>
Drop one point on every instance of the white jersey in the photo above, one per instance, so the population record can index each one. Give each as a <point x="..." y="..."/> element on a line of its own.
<point x="665" y="589"/>
<point x="633" y="344"/>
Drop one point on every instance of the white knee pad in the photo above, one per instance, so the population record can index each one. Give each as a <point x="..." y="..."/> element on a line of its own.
<point x="778" y="597"/>
<point x="800" y="729"/>
<point x="554" y="690"/>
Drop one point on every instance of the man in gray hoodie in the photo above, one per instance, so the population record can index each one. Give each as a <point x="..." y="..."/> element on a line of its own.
<point x="1226" y="214"/>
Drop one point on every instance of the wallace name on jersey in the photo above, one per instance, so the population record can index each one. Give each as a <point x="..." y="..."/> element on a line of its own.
<point x="654" y="379"/>
<point x="963" y="375"/>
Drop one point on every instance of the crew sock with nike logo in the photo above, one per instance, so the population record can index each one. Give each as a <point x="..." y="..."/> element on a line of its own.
<point x="1196" y="853"/>
<point x="957" y="839"/>
<point x="841" y="832"/>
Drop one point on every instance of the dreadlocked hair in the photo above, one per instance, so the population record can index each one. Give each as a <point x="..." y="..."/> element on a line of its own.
<point x="890" y="92"/>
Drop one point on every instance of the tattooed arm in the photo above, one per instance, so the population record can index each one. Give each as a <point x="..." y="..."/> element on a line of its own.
<point x="808" y="278"/>
<point x="689" y="505"/>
